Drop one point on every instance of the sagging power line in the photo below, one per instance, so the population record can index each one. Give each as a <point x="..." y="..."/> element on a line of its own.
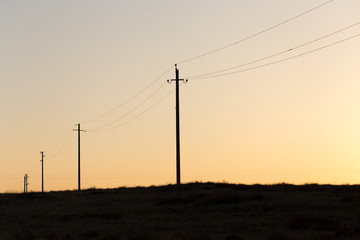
<point x="129" y="99"/>
<point x="136" y="116"/>
<point x="278" y="53"/>
<point x="128" y="112"/>
<point x="256" y="34"/>
<point x="146" y="87"/>
<point x="278" y="61"/>
<point x="63" y="146"/>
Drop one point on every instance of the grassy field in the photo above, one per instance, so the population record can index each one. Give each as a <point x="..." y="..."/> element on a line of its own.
<point x="193" y="211"/>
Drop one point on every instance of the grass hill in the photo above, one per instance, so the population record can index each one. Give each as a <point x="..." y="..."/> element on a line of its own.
<point x="193" y="211"/>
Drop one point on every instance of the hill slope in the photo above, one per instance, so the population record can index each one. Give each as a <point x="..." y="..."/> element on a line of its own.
<point x="193" y="211"/>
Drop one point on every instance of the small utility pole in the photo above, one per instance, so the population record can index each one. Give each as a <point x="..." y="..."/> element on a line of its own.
<point x="78" y="130"/>
<point x="42" y="171"/>
<point x="26" y="183"/>
<point x="178" y="182"/>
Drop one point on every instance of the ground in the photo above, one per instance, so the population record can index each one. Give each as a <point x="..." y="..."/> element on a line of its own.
<point x="192" y="211"/>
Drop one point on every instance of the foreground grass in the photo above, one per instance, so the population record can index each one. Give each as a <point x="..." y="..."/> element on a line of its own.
<point x="195" y="211"/>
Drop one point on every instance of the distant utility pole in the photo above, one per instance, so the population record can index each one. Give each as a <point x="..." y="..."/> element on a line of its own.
<point x="178" y="182"/>
<point x="78" y="130"/>
<point x="42" y="171"/>
<point x="26" y="183"/>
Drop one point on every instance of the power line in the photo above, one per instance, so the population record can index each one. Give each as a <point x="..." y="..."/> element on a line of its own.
<point x="67" y="138"/>
<point x="279" y="61"/>
<point x="63" y="147"/>
<point x="62" y="140"/>
<point x="132" y="110"/>
<point x="276" y="54"/>
<point x="256" y="34"/>
<point x="128" y="100"/>
<point x="141" y="113"/>
<point x="63" y="151"/>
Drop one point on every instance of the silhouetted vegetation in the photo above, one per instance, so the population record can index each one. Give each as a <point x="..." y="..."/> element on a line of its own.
<point x="203" y="211"/>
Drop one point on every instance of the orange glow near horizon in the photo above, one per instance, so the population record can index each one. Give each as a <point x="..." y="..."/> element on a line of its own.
<point x="296" y="121"/>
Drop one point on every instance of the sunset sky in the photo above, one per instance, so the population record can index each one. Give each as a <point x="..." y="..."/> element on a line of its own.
<point x="289" y="112"/>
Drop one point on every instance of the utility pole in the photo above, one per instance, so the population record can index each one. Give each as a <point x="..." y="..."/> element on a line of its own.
<point x="178" y="182"/>
<point x="26" y="183"/>
<point x="78" y="130"/>
<point x="42" y="171"/>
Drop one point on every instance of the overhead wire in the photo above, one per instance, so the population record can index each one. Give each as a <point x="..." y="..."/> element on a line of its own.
<point x="276" y="54"/>
<point x="281" y="60"/>
<point x="149" y="85"/>
<point x="63" y="143"/>
<point x="249" y="37"/>
<point x="63" y="149"/>
<point x="130" y="111"/>
<point x="129" y="99"/>
<point x="256" y="34"/>
<point x="138" y="115"/>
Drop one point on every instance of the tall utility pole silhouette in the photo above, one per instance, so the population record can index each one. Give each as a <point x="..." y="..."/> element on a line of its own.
<point x="26" y="183"/>
<point x="78" y="130"/>
<point x="42" y="171"/>
<point x="178" y="182"/>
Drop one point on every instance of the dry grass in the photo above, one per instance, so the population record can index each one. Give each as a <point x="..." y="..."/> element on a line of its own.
<point x="193" y="211"/>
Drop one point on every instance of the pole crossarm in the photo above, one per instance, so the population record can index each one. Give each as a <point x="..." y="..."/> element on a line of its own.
<point x="177" y="77"/>
<point x="173" y="80"/>
<point x="81" y="130"/>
